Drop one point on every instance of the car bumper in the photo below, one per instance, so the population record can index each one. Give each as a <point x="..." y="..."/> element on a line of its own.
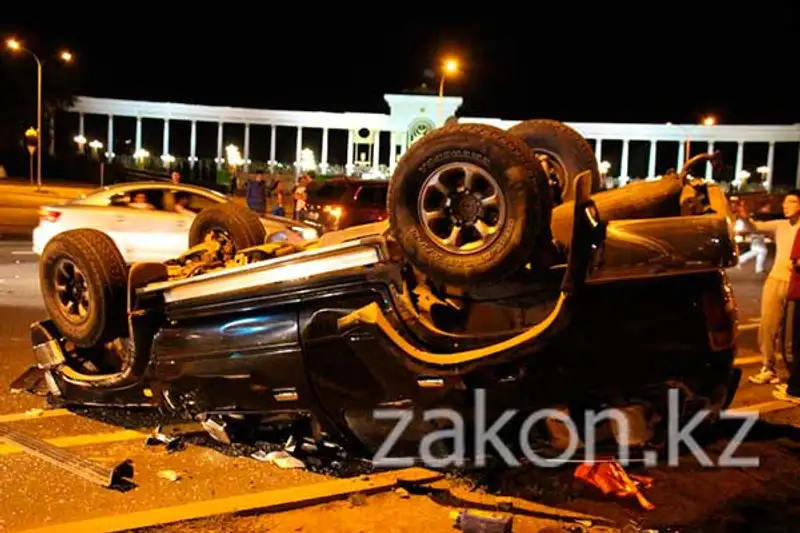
<point x="41" y="236"/>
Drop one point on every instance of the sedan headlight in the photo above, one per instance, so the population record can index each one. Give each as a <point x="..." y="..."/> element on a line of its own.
<point x="309" y="234"/>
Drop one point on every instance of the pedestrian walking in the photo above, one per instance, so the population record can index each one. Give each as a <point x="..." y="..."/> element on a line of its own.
<point x="776" y="287"/>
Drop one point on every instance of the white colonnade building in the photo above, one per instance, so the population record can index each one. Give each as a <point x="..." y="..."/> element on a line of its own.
<point x="411" y="116"/>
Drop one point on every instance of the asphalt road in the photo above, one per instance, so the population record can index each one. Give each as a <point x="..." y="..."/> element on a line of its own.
<point x="35" y="494"/>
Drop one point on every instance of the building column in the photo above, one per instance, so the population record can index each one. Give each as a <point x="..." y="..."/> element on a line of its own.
<point x="349" y="168"/>
<point x="298" y="150"/>
<point x="110" y="138"/>
<point x="797" y="174"/>
<point x="246" y="154"/>
<point x="403" y="142"/>
<point x="219" y="145"/>
<point x="739" y="160"/>
<point x="392" y="151"/>
<point x="770" y="165"/>
<point x="623" y="167"/>
<point x="651" y="159"/>
<point x="193" y="144"/>
<point x="376" y="151"/>
<point x="598" y="150"/>
<point x="273" y="140"/>
<point x="681" y="156"/>
<point x="323" y="159"/>
<point x="138" y="141"/>
<point x="709" y="166"/>
<point x="165" y="140"/>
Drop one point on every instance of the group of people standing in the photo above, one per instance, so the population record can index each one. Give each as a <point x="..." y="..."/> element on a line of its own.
<point x="264" y="195"/>
<point x="780" y="299"/>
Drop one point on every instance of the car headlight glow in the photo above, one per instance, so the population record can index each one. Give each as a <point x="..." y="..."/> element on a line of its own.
<point x="308" y="234"/>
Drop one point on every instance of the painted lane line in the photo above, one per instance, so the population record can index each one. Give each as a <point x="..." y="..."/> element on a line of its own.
<point x="748" y="327"/>
<point x="267" y="501"/>
<point x="47" y="413"/>
<point x="762" y="408"/>
<point x="744" y="361"/>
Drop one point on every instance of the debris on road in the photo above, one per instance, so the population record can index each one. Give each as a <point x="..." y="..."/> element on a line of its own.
<point x="481" y="522"/>
<point x="157" y="437"/>
<point x="611" y="478"/>
<point x="280" y="459"/>
<point x="119" y="477"/>
<point x="169" y="475"/>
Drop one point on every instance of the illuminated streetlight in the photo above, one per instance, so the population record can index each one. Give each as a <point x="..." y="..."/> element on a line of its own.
<point x="16" y="46"/>
<point x="449" y="67"/>
<point x="709" y="121"/>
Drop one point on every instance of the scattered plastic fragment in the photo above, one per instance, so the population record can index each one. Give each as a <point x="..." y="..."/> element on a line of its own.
<point x="169" y="475"/>
<point x="158" y="437"/>
<point x="280" y="459"/>
<point x="481" y="522"/>
<point x="611" y="478"/>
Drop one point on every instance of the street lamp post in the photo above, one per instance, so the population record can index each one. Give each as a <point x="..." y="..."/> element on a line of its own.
<point x="65" y="56"/>
<point x="450" y="67"/>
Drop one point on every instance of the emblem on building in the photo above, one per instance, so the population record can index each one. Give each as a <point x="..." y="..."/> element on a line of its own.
<point x="419" y="128"/>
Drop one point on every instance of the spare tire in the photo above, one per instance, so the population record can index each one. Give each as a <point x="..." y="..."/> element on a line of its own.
<point x="469" y="204"/>
<point x="83" y="278"/>
<point x="233" y="224"/>
<point x="564" y="152"/>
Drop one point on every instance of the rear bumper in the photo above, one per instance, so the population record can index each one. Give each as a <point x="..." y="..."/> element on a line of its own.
<point x="41" y="236"/>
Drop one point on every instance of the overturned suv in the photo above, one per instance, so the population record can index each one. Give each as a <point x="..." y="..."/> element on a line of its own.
<point x="503" y="270"/>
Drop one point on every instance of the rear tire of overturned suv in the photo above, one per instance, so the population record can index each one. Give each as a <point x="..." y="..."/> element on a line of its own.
<point x="239" y="224"/>
<point x="469" y="204"/>
<point x="84" y="282"/>
<point x="564" y="151"/>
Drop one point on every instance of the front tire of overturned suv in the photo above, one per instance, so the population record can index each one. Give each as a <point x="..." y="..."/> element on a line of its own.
<point x="469" y="204"/>
<point x="83" y="278"/>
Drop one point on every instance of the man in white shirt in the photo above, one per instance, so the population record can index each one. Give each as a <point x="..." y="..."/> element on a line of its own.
<point x="776" y="287"/>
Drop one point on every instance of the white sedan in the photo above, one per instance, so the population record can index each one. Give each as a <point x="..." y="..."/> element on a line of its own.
<point x="144" y="220"/>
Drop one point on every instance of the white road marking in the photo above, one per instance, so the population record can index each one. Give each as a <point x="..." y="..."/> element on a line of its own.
<point x="23" y="252"/>
<point x="747" y="327"/>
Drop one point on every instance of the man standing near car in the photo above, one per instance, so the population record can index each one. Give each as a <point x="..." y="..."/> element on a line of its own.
<point x="256" y="193"/>
<point x="776" y="287"/>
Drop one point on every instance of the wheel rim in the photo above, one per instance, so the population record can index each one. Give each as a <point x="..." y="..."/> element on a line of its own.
<point x="72" y="291"/>
<point x="554" y="168"/>
<point x="462" y="208"/>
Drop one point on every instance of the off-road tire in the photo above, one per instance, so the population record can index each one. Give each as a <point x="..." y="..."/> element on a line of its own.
<point x="106" y="275"/>
<point x="565" y="144"/>
<point x="509" y="160"/>
<point x="242" y="225"/>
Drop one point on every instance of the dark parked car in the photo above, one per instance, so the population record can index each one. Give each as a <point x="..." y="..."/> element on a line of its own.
<point x="340" y="203"/>
<point x="492" y="274"/>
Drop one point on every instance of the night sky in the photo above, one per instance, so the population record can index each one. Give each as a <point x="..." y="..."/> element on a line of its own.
<point x="663" y="61"/>
<point x="660" y="62"/>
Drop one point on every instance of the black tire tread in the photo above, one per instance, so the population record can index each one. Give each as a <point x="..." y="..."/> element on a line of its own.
<point x="100" y="258"/>
<point x="582" y="153"/>
<point x="244" y="225"/>
<point x="539" y="206"/>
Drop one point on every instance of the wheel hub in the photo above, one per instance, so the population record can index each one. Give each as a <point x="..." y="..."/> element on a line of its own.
<point x="468" y="209"/>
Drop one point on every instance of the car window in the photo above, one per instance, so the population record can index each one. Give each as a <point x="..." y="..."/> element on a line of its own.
<point x="147" y="199"/>
<point x="330" y="191"/>
<point x="372" y="196"/>
<point x="198" y="202"/>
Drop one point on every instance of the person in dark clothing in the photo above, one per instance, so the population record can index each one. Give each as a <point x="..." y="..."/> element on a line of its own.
<point x="256" y="193"/>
